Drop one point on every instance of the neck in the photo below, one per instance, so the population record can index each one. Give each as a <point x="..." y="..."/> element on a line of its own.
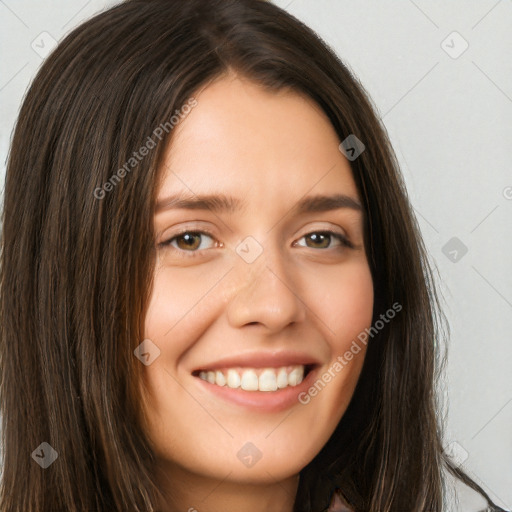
<point x="189" y="492"/>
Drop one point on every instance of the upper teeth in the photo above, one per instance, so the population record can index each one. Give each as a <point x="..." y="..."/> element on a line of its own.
<point x="269" y="379"/>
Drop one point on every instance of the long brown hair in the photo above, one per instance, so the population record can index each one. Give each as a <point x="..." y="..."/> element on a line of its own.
<point x="77" y="259"/>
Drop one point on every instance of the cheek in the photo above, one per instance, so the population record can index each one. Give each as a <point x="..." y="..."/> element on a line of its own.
<point x="346" y="311"/>
<point x="343" y="300"/>
<point x="174" y="319"/>
<point x="177" y="306"/>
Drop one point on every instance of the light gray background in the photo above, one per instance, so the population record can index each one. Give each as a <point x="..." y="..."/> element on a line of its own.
<point x="449" y="119"/>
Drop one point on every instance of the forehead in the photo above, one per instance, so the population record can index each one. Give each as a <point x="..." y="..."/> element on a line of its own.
<point x="243" y="139"/>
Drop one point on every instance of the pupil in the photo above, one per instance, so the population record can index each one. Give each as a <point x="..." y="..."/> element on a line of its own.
<point x="315" y="237"/>
<point x="188" y="239"/>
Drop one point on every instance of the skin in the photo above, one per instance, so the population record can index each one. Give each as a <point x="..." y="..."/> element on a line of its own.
<point x="269" y="149"/>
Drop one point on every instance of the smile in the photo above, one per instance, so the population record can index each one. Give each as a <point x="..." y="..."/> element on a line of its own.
<point x="256" y="379"/>
<point x="260" y="389"/>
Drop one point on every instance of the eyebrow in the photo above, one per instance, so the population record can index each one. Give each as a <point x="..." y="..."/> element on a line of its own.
<point x="229" y="204"/>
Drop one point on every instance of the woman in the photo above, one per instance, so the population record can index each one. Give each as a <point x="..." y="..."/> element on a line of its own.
<point x="287" y="361"/>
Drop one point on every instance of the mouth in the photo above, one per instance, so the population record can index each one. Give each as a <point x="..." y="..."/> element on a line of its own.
<point x="264" y="389"/>
<point x="266" y="379"/>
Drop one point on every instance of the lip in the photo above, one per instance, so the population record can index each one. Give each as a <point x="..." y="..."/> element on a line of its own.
<point x="262" y="401"/>
<point x="260" y="360"/>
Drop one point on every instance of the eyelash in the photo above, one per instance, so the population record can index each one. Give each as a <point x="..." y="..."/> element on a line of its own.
<point x="345" y="242"/>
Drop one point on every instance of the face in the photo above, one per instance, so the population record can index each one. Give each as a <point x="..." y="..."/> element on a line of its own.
<point x="256" y="298"/>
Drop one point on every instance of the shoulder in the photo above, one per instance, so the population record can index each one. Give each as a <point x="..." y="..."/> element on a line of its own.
<point x="338" y="504"/>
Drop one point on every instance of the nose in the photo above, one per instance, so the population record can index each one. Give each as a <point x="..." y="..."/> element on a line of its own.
<point x="266" y="295"/>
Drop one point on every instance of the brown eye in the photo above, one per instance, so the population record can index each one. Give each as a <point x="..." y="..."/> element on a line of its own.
<point x="190" y="241"/>
<point x="319" y="240"/>
<point x="187" y="241"/>
<point x="322" y="240"/>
